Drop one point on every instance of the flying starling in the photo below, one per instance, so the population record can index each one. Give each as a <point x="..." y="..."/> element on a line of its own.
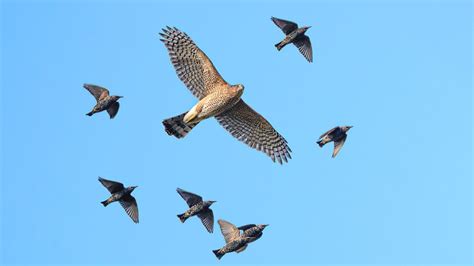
<point x="338" y="135"/>
<point x="253" y="230"/>
<point x="234" y="241"/>
<point x="122" y="195"/>
<point x="296" y="36"/>
<point x="104" y="100"/>
<point x="218" y="99"/>
<point x="197" y="207"/>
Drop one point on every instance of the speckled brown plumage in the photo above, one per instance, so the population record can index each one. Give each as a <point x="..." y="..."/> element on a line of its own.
<point x="217" y="99"/>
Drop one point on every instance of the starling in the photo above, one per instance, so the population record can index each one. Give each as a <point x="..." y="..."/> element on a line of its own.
<point x="234" y="241"/>
<point x="197" y="207"/>
<point x="296" y="36"/>
<point x="104" y="100"/>
<point x="122" y="195"/>
<point x="253" y="230"/>
<point x="338" y="135"/>
<point x="218" y="99"/>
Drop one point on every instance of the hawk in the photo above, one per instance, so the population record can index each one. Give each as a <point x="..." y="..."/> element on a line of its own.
<point x="218" y="99"/>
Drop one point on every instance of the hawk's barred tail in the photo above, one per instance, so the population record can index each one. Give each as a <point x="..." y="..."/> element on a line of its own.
<point x="218" y="254"/>
<point x="175" y="126"/>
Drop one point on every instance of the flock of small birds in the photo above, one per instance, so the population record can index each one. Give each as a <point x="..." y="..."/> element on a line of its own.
<point x="220" y="100"/>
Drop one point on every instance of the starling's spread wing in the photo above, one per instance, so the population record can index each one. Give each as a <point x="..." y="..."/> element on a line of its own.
<point x="190" y="198"/>
<point x="250" y="127"/>
<point x="98" y="92"/>
<point x="129" y="203"/>
<point x="229" y="231"/>
<point x="113" y="109"/>
<point x="192" y="65"/>
<point x="241" y="249"/>
<point x="245" y="227"/>
<point x="338" y="145"/>
<point x="286" y="26"/>
<point x="304" y="45"/>
<point x="112" y="186"/>
<point x="328" y="132"/>
<point x="207" y="219"/>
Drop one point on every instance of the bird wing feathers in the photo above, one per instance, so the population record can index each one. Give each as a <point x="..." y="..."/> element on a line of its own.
<point x="113" y="109"/>
<point x="98" y="92"/>
<point x="245" y="227"/>
<point x="286" y="26"/>
<point x="190" y="198"/>
<point x="229" y="231"/>
<point x="338" y="145"/>
<point x="327" y="132"/>
<point x="129" y="203"/>
<point x="111" y="186"/>
<point x="207" y="219"/>
<point x="250" y="127"/>
<point x="192" y="65"/>
<point x="304" y="46"/>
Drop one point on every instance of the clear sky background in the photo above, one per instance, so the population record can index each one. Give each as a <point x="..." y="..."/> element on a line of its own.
<point x="400" y="191"/>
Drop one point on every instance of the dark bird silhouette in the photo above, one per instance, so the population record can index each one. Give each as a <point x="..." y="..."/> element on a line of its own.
<point x="295" y="36"/>
<point x="338" y="135"/>
<point x="253" y="230"/>
<point x="104" y="100"/>
<point x="234" y="241"/>
<point x="197" y="207"/>
<point x="122" y="195"/>
<point x="218" y="99"/>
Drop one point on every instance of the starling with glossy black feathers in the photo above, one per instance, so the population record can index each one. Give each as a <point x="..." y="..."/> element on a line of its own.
<point x="104" y="100"/>
<point x="295" y="36"/>
<point x="252" y="230"/>
<point x="122" y="195"/>
<point x="235" y="242"/>
<point x="197" y="207"/>
<point x="338" y="135"/>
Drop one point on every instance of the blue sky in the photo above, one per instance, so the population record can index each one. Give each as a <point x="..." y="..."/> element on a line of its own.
<point x="399" y="192"/>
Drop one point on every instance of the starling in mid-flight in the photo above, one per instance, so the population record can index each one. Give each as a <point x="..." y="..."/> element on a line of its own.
<point x="296" y="36"/>
<point x="218" y="99"/>
<point x="122" y="195"/>
<point x="104" y="100"/>
<point x="234" y="241"/>
<point x="197" y="207"/>
<point x="338" y="135"/>
<point x="252" y="230"/>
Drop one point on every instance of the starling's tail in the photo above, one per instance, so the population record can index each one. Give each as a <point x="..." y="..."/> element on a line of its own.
<point x="105" y="203"/>
<point x="218" y="254"/>
<point x="320" y="143"/>
<point x="90" y="113"/>
<point x="181" y="217"/>
<point x="175" y="126"/>
<point x="279" y="46"/>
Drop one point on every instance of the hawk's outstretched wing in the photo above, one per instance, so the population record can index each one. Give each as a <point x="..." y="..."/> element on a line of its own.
<point x="250" y="127"/>
<point x="192" y="65"/>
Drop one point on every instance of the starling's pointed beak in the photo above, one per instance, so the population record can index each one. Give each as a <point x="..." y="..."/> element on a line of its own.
<point x="120" y="96"/>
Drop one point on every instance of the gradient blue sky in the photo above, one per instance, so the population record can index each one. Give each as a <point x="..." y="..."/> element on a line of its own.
<point x="399" y="192"/>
